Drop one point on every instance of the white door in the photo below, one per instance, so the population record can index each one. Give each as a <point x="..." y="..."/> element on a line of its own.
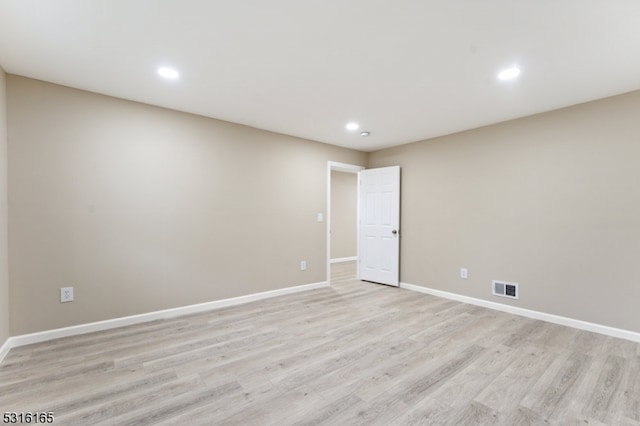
<point x="379" y="225"/>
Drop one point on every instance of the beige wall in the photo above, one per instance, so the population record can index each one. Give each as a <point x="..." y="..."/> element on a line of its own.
<point x="142" y="208"/>
<point x="344" y="207"/>
<point x="549" y="201"/>
<point x="4" y="274"/>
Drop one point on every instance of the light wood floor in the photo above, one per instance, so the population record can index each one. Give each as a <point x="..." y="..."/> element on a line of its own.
<point x="355" y="353"/>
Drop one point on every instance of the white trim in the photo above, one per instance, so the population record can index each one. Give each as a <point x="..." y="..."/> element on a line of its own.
<point x="344" y="167"/>
<point x="339" y="167"/>
<point x="43" y="336"/>
<point x="344" y="259"/>
<point x="556" y="319"/>
<point x="5" y="348"/>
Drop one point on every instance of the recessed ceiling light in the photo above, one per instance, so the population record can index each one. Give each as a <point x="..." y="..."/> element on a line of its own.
<point x="365" y="133"/>
<point x="168" y="73"/>
<point x="509" y="73"/>
<point x="353" y="126"/>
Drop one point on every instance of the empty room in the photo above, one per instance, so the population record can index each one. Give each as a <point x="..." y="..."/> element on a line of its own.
<point x="319" y="213"/>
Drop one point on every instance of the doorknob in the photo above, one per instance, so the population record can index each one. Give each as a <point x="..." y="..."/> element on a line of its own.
<point x="394" y="232"/>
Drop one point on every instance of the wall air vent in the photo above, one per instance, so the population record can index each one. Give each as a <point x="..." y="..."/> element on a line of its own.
<point x="505" y="289"/>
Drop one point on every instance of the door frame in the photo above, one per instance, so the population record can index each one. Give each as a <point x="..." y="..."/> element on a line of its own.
<point x="338" y="167"/>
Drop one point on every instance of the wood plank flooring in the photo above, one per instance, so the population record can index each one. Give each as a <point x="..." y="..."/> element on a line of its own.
<point x="353" y="354"/>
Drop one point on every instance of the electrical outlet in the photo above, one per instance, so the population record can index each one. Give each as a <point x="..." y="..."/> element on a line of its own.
<point x="66" y="294"/>
<point x="464" y="273"/>
<point x="303" y="265"/>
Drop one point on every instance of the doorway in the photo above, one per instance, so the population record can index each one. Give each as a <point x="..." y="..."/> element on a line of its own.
<point x="341" y="247"/>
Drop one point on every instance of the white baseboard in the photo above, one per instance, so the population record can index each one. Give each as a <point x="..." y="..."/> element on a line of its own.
<point x="27" y="339"/>
<point x="343" y="259"/>
<point x="556" y="319"/>
<point x="4" y="349"/>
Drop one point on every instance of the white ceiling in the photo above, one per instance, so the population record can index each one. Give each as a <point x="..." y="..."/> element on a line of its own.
<point x="406" y="70"/>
